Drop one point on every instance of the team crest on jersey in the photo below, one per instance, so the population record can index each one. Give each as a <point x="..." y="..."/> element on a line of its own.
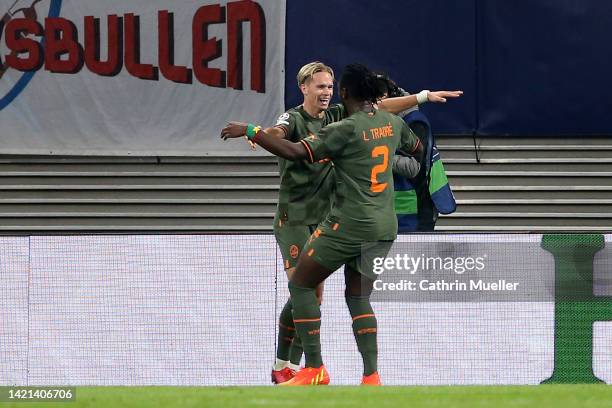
<point x="294" y="251"/>
<point x="283" y="119"/>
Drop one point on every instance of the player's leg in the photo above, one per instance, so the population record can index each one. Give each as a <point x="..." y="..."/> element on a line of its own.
<point x="359" y="278"/>
<point x="326" y="250"/>
<point x="283" y="369"/>
<point x="365" y="326"/>
<point x="290" y="239"/>
<point x="296" y="351"/>
<point x="307" y="319"/>
<point x="286" y="332"/>
<point x="306" y="310"/>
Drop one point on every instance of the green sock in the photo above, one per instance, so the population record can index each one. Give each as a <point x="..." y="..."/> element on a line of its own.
<point x="296" y="350"/>
<point x="286" y="331"/>
<point x="364" y="330"/>
<point x="307" y="320"/>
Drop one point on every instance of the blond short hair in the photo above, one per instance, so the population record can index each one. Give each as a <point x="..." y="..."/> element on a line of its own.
<point x="307" y="71"/>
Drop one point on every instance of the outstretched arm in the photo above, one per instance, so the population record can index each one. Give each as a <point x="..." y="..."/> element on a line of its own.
<point x="274" y="143"/>
<point x="401" y="103"/>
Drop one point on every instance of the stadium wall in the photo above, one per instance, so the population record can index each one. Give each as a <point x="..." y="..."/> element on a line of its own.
<point x="201" y="310"/>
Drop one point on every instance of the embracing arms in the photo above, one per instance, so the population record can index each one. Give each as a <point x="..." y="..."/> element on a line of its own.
<point x="277" y="144"/>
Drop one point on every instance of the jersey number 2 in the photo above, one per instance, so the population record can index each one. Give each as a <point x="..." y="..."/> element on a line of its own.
<point x="383" y="151"/>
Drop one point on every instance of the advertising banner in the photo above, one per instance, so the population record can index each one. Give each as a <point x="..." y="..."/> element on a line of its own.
<point x="203" y="309"/>
<point x="144" y="77"/>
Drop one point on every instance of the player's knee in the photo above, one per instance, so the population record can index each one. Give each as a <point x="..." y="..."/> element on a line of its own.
<point x="356" y="300"/>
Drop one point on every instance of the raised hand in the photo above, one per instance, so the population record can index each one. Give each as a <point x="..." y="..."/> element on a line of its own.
<point x="440" y="96"/>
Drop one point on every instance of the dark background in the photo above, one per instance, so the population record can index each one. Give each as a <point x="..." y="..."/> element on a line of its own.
<point x="527" y="67"/>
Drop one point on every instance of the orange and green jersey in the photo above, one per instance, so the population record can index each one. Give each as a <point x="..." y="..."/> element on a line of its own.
<point x="305" y="188"/>
<point x="361" y="148"/>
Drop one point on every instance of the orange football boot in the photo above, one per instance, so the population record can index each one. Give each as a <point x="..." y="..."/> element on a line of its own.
<point x="309" y="376"/>
<point x="281" y="376"/>
<point x="372" y="379"/>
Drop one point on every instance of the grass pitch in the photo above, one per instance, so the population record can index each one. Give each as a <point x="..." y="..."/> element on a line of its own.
<point x="557" y="396"/>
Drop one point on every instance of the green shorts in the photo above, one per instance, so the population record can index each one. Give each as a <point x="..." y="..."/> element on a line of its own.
<point x="332" y="247"/>
<point x="291" y="240"/>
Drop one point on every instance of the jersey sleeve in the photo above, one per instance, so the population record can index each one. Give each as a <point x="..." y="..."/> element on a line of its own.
<point x="327" y="144"/>
<point x="286" y="122"/>
<point x="409" y="142"/>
